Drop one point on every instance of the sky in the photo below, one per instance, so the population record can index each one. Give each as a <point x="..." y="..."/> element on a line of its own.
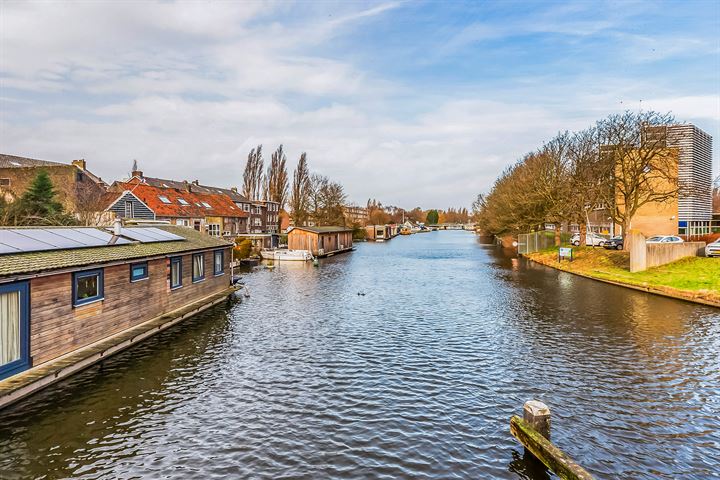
<point x="412" y="103"/>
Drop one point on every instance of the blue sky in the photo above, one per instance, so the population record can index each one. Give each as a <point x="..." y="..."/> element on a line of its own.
<point x="412" y="103"/>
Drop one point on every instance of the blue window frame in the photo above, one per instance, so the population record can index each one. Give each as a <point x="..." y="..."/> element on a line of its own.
<point x="198" y="267"/>
<point x="175" y="272"/>
<point x="139" y="271"/>
<point x="15" y="327"/>
<point x="88" y="287"/>
<point x="219" y="262"/>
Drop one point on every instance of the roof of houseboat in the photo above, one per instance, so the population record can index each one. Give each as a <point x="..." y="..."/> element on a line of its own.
<point x="327" y="229"/>
<point x="134" y="244"/>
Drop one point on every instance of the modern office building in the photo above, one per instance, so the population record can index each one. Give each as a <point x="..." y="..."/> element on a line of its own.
<point x="694" y="177"/>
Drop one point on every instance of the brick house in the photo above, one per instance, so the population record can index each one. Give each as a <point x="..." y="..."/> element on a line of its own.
<point x="213" y="213"/>
<point x="78" y="190"/>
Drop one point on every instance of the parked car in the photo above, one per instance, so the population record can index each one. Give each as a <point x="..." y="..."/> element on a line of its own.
<point x="713" y="249"/>
<point x="594" y="239"/>
<point x="614" y="243"/>
<point x="664" y="239"/>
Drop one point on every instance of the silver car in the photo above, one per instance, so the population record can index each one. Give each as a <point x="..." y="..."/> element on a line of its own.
<point x="664" y="239"/>
<point x="594" y="239"/>
<point x="713" y="249"/>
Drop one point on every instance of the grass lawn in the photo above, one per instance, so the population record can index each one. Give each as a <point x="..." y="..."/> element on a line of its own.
<point x="697" y="276"/>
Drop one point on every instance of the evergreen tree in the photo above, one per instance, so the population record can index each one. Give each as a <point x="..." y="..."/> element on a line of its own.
<point x="38" y="206"/>
<point x="432" y="217"/>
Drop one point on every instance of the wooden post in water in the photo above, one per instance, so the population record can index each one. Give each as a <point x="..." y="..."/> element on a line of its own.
<point x="537" y="415"/>
<point x="533" y="432"/>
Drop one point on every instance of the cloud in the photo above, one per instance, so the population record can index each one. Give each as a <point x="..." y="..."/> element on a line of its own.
<point x="187" y="88"/>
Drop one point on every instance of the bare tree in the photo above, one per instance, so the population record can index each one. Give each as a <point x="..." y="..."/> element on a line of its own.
<point x="638" y="165"/>
<point x="90" y="204"/>
<point x="277" y="178"/>
<point x="586" y="178"/>
<point x="300" y="193"/>
<point x="253" y="177"/>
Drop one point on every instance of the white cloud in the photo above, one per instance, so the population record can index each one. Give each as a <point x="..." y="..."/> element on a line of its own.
<point x="188" y="88"/>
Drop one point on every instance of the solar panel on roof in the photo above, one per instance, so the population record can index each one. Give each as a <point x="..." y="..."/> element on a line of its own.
<point x="7" y="249"/>
<point x="149" y="234"/>
<point x="164" y="234"/>
<point x="49" y="237"/>
<point x="21" y="240"/>
<point x="87" y="240"/>
<point x="23" y="243"/>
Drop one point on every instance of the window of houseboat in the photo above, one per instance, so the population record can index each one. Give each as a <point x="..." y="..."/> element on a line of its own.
<point x="176" y="272"/>
<point x="14" y="329"/>
<point x="218" y="262"/>
<point x="87" y="287"/>
<point x="198" y="267"/>
<point x="139" y="271"/>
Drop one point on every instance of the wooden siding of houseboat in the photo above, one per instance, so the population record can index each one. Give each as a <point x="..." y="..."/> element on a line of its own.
<point x="57" y="327"/>
<point x="328" y="242"/>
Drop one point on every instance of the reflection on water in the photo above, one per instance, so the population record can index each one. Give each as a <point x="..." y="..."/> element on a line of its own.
<point x="401" y="360"/>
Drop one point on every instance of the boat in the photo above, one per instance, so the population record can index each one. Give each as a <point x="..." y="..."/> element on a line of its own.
<point x="405" y="231"/>
<point x="285" y="255"/>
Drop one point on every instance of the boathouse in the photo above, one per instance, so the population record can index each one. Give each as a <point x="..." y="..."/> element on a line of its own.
<point x="320" y="241"/>
<point x="74" y="293"/>
<point x="378" y="233"/>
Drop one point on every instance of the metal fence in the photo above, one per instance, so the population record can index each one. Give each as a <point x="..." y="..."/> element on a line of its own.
<point x="536" y="241"/>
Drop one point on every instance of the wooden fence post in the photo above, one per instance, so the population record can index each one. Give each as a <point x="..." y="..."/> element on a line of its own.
<point x="533" y="432"/>
<point x="537" y="414"/>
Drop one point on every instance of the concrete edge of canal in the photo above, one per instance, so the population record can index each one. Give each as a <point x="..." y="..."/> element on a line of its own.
<point x="22" y="385"/>
<point x="670" y="293"/>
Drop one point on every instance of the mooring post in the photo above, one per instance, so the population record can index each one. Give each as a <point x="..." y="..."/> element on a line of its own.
<point x="533" y="432"/>
<point x="537" y="414"/>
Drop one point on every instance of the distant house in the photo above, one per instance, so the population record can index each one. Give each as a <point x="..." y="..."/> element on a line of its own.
<point x="320" y="241"/>
<point x="260" y="219"/>
<point x="356" y="215"/>
<point x="78" y="190"/>
<point x="213" y="213"/>
<point x="63" y="289"/>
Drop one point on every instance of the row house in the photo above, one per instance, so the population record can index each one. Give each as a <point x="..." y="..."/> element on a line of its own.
<point x="212" y="213"/>
<point x="262" y="215"/>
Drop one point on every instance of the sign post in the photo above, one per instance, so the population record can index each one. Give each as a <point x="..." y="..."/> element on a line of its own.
<point x="565" y="252"/>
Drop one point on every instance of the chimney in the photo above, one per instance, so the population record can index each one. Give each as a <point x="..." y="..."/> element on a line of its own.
<point x="117" y="227"/>
<point x="79" y="163"/>
<point x="234" y="189"/>
<point x="196" y="182"/>
<point x="187" y="186"/>
<point x="136" y="172"/>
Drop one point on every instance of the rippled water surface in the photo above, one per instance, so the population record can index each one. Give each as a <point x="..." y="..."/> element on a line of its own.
<point x="403" y="359"/>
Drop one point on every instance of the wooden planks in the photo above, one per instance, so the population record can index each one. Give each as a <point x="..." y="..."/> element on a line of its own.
<point x="56" y="327"/>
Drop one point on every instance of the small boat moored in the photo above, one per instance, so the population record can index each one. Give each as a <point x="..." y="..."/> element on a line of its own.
<point x="285" y="255"/>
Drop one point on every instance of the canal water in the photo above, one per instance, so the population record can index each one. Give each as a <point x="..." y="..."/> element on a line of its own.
<point x="403" y="359"/>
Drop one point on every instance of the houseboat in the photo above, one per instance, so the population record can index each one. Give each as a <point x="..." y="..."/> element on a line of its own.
<point x="320" y="241"/>
<point x="378" y="233"/>
<point x="70" y="297"/>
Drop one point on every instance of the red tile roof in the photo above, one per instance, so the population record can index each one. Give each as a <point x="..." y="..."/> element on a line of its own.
<point x="221" y="205"/>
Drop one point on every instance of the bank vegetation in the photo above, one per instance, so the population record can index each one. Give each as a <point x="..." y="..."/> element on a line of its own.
<point x="618" y="165"/>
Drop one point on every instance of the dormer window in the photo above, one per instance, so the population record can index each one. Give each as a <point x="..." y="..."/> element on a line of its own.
<point x="182" y="201"/>
<point x="164" y="199"/>
<point x="206" y="205"/>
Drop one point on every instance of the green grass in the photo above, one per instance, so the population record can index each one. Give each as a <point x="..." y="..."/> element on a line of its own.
<point x="692" y="274"/>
